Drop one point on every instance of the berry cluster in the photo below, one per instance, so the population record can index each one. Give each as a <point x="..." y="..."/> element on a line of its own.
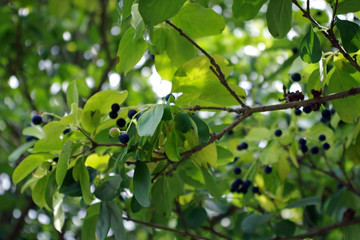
<point x="241" y="186"/>
<point x="314" y="150"/>
<point x="114" y="111"/>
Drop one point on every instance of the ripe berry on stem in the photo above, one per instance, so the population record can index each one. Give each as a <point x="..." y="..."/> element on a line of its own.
<point x="322" y="137"/>
<point x="255" y="190"/>
<point x="307" y="109"/>
<point x="66" y="131"/>
<point x="314" y="150"/>
<point x="115" y="107"/>
<point x="304" y="148"/>
<point x="120" y="122"/>
<point x="37" y="119"/>
<point x="278" y="132"/>
<point x="242" y="146"/>
<point x="297" y="112"/>
<point x="131" y="113"/>
<point x="296" y="77"/>
<point x="302" y="141"/>
<point x="237" y="170"/>
<point x="113" y="115"/>
<point x="326" y="146"/>
<point x="268" y="169"/>
<point x="124" y="138"/>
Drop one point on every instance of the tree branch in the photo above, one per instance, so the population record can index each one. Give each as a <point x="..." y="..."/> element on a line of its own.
<point x="329" y="34"/>
<point x="153" y="225"/>
<point x="215" y="68"/>
<point x="322" y="230"/>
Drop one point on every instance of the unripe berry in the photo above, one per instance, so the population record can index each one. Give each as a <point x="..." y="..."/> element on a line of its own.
<point x="114" y="132"/>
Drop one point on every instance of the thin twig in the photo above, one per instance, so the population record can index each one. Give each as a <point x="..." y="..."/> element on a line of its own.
<point x="329" y="34"/>
<point x="198" y="108"/>
<point x="334" y="15"/>
<point x="217" y="71"/>
<point x="153" y="225"/>
<point x="322" y="230"/>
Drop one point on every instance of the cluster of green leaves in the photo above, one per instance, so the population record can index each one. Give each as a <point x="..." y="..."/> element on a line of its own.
<point x="190" y="190"/>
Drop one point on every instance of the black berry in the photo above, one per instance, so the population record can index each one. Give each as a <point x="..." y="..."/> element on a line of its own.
<point x="138" y="116"/>
<point x="314" y="150"/>
<point x="168" y="96"/>
<point x="296" y="77"/>
<point x="326" y="146"/>
<point x="66" y="131"/>
<point x="294" y="50"/>
<point x="55" y="159"/>
<point x="278" y="132"/>
<point x="307" y="109"/>
<point x="236" y="183"/>
<point x="242" y="146"/>
<point x="304" y="148"/>
<point x="322" y="137"/>
<point x="115" y="107"/>
<point x="237" y="170"/>
<point x="247" y="183"/>
<point x="37" y="119"/>
<point x="268" y="169"/>
<point x="302" y="141"/>
<point x="120" y="122"/>
<point x="243" y="190"/>
<point x="326" y="114"/>
<point x="297" y="112"/>
<point x="131" y="113"/>
<point x="235" y="159"/>
<point x="113" y="115"/>
<point x="255" y="190"/>
<point x="124" y="138"/>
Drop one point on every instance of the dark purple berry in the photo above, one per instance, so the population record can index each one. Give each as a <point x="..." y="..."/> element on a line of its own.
<point x="66" y="131"/>
<point x="243" y="190"/>
<point x="50" y="168"/>
<point x="304" y="148"/>
<point x="294" y="50"/>
<point x="268" y="169"/>
<point x="278" y="132"/>
<point x="296" y="77"/>
<point x="326" y="114"/>
<point x="124" y="138"/>
<point x="247" y="183"/>
<point x="314" y="150"/>
<point x="322" y="137"/>
<point x="326" y="146"/>
<point x="113" y="115"/>
<point x="115" y="107"/>
<point x="236" y="183"/>
<point x="37" y="119"/>
<point x="255" y="190"/>
<point x="297" y="112"/>
<point x="138" y="116"/>
<point x="302" y="141"/>
<point x="120" y="122"/>
<point x="131" y="113"/>
<point x="307" y="109"/>
<point x="242" y="146"/>
<point x="55" y="159"/>
<point x="168" y="96"/>
<point x="237" y="170"/>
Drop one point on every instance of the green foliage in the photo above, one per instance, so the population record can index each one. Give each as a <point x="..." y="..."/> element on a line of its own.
<point x="70" y="61"/>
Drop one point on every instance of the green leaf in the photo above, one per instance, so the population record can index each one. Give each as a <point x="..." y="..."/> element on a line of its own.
<point x="63" y="162"/>
<point x="224" y="155"/>
<point x="28" y="165"/>
<point x="171" y="146"/>
<point x="135" y="206"/>
<point x="108" y="189"/>
<point x="149" y="120"/>
<point x="161" y="199"/>
<point x="116" y="221"/>
<point x="103" y="224"/>
<point x="51" y="142"/>
<point x="51" y="188"/>
<point x="304" y="202"/>
<point x="157" y="11"/>
<point x="279" y="17"/>
<point x="59" y="8"/>
<point x="253" y="221"/>
<point x="202" y="130"/>
<point x="182" y="122"/>
<point x="35" y="131"/>
<point x="348" y="6"/>
<point x="197" y="21"/>
<point x="195" y="217"/>
<point x="103" y="100"/>
<point x="211" y="184"/>
<point x="38" y="193"/>
<point x="59" y="215"/>
<point x="19" y="151"/>
<point x="178" y="48"/>
<point x="310" y="51"/>
<point x="85" y="184"/>
<point x="131" y="48"/>
<point x="164" y="66"/>
<point x="313" y="82"/>
<point x="72" y="95"/>
<point x="258" y="133"/>
<point x="142" y="184"/>
<point x="341" y="80"/>
<point x="284" y="228"/>
<point x="350" y="35"/>
<point x="89" y="225"/>
<point x="252" y="8"/>
<point x="206" y="156"/>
